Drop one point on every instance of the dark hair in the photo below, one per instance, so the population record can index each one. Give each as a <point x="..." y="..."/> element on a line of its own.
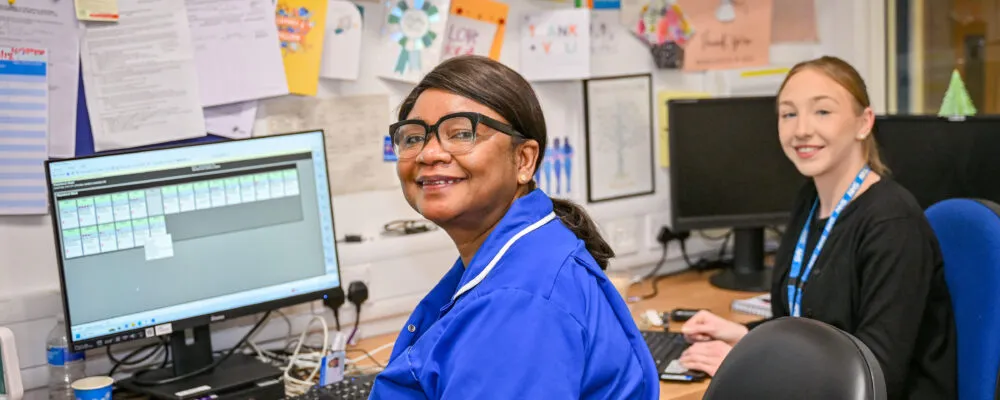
<point x="506" y="92"/>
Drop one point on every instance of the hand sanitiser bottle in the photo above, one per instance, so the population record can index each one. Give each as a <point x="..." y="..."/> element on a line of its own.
<point x="64" y="366"/>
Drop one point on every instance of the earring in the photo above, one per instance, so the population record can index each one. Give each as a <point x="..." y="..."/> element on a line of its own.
<point x="863" y="136"/>
<point x="523" y="179"/>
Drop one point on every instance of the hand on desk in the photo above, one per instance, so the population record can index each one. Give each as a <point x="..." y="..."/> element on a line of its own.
<point x="705" y="356"/>
<point x="705" y="326"/>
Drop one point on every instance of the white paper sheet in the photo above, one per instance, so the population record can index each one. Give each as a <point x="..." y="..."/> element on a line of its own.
<point x="143" y="90"/>
<point x="611" y="44"/>
<point x="342" y="42"/>
<point x="619" y="137"/>
<point x="555" y="45"/>
<point x="234" y="121"/>
<point x="236" y="49"/>
<point x="354" y="128"/>
<point x="50" y="25"/>
<point x="24" y="115"/>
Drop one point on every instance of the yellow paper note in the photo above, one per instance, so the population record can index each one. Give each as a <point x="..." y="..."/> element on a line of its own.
<point x="662" y="98"/>
<point x="301" y="26"/>
<point x="488" y="11"/>
<point x="96" y="10"/>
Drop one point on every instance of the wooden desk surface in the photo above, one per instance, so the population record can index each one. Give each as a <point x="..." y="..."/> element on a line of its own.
<point x="686" y="290"/>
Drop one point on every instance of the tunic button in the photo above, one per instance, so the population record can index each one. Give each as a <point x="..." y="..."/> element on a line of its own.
<point x="411" y="328"/>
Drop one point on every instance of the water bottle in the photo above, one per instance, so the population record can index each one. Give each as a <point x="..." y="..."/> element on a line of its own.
<point x="65" y="367"/>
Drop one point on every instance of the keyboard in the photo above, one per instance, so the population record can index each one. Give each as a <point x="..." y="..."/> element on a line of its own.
<point x="351" y="388"/>
<point x="667" y="348"/>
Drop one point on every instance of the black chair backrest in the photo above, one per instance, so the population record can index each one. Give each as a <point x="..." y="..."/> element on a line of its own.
<point x="798" y="358"/>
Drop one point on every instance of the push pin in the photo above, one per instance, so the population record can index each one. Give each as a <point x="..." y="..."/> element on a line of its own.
<point x="11" y="2"/>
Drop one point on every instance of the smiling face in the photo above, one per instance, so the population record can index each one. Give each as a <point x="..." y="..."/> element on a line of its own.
<point x="467" y="188"/>
<point x="820" y="124"/>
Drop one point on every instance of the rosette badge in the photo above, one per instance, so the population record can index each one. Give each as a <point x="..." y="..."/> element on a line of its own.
<point x="410" y="24"/>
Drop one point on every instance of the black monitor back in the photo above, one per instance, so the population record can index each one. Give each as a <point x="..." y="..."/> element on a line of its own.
<point x="937" y="158"/>
<point x="727" y="168"/>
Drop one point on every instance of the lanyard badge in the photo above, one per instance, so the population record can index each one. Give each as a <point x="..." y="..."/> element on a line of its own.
<point x="796" y="277"/>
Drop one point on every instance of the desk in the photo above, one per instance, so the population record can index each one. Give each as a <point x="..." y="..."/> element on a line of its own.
<point x="685" y="290"/>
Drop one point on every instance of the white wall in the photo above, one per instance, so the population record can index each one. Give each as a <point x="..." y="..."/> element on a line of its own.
<point x="400" y="270"/>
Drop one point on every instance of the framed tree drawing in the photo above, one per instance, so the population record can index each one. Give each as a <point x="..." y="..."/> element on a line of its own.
<point x="619" y="127"/>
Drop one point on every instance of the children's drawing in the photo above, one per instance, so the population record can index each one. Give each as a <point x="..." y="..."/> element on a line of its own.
<point x="619" y="137"/>
<point x="415" y="28"/>
<point x="556" y="173"/>
<point x="555" y="45"/>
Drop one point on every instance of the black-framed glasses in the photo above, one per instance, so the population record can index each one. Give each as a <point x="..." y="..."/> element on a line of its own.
<point x="455" y="132"/>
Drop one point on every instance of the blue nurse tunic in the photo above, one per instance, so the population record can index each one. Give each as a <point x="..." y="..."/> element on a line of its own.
<point x="532" y="317"/>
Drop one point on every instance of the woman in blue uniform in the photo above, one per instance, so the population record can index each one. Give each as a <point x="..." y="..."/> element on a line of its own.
<point x="526" y="311"/>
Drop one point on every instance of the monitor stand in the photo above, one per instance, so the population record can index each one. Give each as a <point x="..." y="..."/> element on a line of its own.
<point x="240" y="375"/>
<point x="747" y="273"/>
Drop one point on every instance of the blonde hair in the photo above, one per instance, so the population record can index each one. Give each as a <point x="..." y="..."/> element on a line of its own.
<point x="847" y="77"/>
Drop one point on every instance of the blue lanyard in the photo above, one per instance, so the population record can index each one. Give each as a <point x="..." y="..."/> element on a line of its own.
<point x="796" y="277"/>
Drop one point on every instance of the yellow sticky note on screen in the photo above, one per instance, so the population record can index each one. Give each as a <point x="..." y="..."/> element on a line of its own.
<point x="301" y="26"/>
<point x="661" y="99"/>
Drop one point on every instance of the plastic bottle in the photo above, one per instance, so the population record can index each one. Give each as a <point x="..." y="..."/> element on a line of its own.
<point x="65" y="367"/>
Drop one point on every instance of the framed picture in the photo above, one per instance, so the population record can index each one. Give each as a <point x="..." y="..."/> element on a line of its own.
<point x="619" y="128"/>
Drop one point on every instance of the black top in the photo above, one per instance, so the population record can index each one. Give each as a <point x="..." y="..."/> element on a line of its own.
<point x="880" y="277"/>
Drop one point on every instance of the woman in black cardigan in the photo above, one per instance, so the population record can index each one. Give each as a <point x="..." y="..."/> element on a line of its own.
<point x="858" y="253"/>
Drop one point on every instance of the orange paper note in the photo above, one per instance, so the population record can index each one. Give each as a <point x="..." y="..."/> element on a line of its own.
<point x="728" y="34"/>
<point x="487" y="11"/>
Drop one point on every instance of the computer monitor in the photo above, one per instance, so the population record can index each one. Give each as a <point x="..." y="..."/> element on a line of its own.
<point x="940" y="158"/>
<point x="727" y="170"/>
<point x="156" y="242"/>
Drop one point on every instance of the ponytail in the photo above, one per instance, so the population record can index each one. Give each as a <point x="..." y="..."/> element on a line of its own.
<point x="577" y="220"/>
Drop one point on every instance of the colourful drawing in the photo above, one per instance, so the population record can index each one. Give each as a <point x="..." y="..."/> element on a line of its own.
<point x="662" y="22"/>
<point x="556" y="173"/>
<point x="301" y="25"/>
<point x="555" y="45"/>
<point x="294" y="25"/>
<point x="415" y="26"/>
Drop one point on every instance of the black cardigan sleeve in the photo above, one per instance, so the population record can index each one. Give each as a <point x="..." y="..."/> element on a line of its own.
<point x="896" y="268"/>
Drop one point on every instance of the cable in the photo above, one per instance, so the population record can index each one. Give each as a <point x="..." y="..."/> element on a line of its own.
<point x="368" y="356"/>
<point x="139" y="381"/>
<point x="357" y="321"/>
<point x="659" y="264"/>
<point x="306" y="383"/>
<point x="715" y="238"/>
<point x="127" y="360"/>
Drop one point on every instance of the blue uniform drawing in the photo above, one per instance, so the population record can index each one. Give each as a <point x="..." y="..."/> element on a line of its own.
<point x="547" y="167"/>
<point x="557" y="162"/>
<point x="567" y="153"/>
<point x="535" y="320"/>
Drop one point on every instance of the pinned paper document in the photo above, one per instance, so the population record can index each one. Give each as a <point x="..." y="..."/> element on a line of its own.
<point x="24" y="92"/>
<point x="956" y="99"/>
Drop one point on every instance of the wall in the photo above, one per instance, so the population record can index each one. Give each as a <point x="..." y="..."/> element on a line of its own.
<point x="401" y="270"/>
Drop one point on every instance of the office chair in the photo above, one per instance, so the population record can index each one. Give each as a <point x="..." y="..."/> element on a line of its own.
<point x="798" y="358"/>
<point x="968" y="232"/>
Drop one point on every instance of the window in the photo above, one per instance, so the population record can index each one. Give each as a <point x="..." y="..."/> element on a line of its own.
<point x="931" y="39"/>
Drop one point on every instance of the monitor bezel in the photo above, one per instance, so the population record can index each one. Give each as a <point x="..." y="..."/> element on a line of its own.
<point x="735" y="221"/>
<point x="198" y="320"/>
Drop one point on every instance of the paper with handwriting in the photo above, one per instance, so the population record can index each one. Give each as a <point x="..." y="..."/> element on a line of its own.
<point x="555" y="45"/>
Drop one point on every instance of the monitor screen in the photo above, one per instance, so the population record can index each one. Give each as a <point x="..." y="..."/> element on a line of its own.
<point x="937" y="159"/>
<point x="161" y="240"/>
<point x="727" y="168"/>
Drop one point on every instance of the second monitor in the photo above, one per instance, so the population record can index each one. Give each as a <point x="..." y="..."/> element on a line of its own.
<point x="727" y="170"/>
